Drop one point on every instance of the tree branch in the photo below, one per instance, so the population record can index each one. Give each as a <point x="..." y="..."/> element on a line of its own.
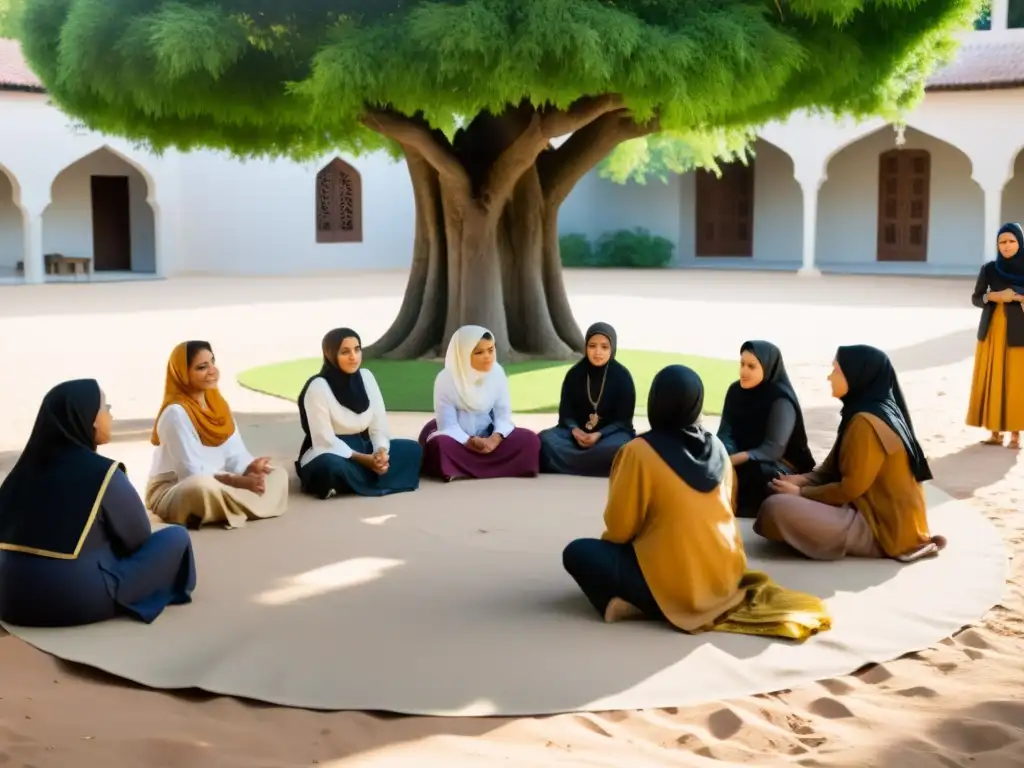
<point x="512" y="163"/>
<point x="582" y="112"/>
<point x="562" y="168"/>
<point x="428" y="142"/>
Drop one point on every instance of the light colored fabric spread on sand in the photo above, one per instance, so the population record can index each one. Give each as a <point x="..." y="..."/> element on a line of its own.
<point x="453" y="601"/>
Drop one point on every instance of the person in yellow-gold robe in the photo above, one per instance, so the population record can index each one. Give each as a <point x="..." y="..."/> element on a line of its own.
<point x="866" y="498"/>
<point x="672" y="548"/>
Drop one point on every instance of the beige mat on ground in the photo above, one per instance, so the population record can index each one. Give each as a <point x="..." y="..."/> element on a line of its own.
<point x="453" y="601"/>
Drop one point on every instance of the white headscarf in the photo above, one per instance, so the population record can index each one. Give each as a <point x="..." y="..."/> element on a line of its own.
<point x="470" y="384"/>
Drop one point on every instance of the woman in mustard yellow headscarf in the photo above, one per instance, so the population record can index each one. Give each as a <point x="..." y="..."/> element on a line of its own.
<point x="202" y="472"/>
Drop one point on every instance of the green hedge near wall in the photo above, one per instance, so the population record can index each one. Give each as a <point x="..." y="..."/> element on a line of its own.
<point x="625" y="248"/>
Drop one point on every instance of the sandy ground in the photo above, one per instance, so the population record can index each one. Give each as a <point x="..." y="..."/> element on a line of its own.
<point x="959" y="703"/>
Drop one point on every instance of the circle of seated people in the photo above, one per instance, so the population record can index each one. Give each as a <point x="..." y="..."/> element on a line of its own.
<point x="76" y="546"/>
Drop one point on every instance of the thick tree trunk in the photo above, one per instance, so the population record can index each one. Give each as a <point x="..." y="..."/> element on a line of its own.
<point x="486" y="244"/>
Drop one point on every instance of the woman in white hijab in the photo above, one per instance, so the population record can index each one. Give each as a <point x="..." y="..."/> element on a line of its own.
<point x="472" y="434"/>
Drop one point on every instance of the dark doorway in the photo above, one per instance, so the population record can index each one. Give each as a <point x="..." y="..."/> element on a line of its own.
<point x="111" y="224"/>
<point x="725" y="211"/>
<point x="904" y="191"/>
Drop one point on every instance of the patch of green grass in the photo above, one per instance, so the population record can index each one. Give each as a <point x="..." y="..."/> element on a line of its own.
<point x="408" y="385"/>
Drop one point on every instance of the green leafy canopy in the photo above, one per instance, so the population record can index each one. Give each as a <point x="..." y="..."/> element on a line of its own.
<point x="293" y="77"/>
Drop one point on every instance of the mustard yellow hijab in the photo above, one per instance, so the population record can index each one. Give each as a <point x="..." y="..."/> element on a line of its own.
<point x="215" y="424"/>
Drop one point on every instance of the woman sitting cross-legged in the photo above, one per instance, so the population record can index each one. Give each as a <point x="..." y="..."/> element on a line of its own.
<point x="762" y="426"/>
<point x="202" y="472"/>
<point x="76" y="546"/>
<point x="866" y="498"/>
<point x="595" y="411"/>
<point x="346" y="448"/>
<point x="472" y="434"/>
<point x="672" y="548"/>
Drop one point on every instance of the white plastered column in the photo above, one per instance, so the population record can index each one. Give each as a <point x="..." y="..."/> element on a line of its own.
<point x="810" y="179"/>
<point x="32" y="251"/>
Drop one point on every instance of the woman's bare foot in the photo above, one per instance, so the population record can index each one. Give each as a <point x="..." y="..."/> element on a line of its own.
<point x="619" y="610"/>
<point x="996" y="438"/>
<point x="1014" y="443"/>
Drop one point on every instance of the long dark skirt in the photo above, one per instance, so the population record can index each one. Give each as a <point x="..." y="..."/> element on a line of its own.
<point x="329" y="474"/>
<point x="561" y="454"/>
<point x="446" y="459"/>
<point x="44" y="592"/>
<point x="752" y="480"/>
<point x="604" y="570"/>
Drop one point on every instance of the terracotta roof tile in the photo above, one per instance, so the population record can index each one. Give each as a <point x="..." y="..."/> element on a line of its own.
<point x="14" y="72"/>
<point x="982" y="64"/>
<point x="979" y="65"/>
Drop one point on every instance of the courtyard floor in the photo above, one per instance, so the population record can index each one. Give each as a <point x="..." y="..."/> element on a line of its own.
<point x="910" y="713"/>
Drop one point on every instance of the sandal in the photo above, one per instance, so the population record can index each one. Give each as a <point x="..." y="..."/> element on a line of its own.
<point x="1014" y="444"/>
<point x="996" y="438"/>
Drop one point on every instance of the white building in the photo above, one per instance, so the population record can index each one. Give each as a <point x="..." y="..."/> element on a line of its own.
<point x="858" y="197"/>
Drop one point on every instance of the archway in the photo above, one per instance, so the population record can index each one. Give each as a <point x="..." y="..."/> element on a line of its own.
<point x="1013" y="197"/>
<point x="99" y="210"/>
<point x="884" y="204"/>
<point x="12" y="228"/>
<point x="753" y="211"/>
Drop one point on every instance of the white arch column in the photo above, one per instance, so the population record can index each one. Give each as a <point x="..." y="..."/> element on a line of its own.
<point x="32" y="251"/>
<point x="992" y="170"/>
<point x="810" y="174"/>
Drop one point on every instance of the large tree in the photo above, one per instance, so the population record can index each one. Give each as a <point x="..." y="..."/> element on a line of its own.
<point x="474" y="95"/>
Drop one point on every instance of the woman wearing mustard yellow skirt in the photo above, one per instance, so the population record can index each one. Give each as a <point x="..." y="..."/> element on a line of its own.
<point x="997" y="389"/>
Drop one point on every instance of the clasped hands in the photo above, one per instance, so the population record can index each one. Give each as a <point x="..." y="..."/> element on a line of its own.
<point x="1005" y="296"/>
<point x="378" y="462"/>
<point x="788" y="484"/>
<point x="484" y="444"/>
<point x="253" y="477"/>
<point x="585" y="439"/>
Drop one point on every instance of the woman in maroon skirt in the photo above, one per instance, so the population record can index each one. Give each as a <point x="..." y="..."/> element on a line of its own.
<point x="472" y="434"/>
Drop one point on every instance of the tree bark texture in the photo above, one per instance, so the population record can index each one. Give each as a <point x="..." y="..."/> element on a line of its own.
<point x="486" y="239"/>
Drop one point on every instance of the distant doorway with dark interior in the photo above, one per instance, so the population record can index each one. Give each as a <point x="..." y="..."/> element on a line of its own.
<point x="111" y="224"/>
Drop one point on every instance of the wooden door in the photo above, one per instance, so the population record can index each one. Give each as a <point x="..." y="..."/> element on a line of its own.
<point x="904" y="190"/>
<point x="725" y="211"/>
<point x="111" y="224"/>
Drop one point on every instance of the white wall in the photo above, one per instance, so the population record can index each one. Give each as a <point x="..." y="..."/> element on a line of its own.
<point x="67" y="220"/>
<point x="259" y="217"/>
<point x="848" y="203"/>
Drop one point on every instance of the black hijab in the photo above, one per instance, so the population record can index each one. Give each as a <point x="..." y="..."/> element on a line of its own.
<point x="618" y="401"/>
<point x="875" y="389"/>
<point x="348" y="388"/>
<point x="1012" y="270"/>
<point x="746" y="410"/>
<point x="50" y="500"/>
<point x="673" y="407"/>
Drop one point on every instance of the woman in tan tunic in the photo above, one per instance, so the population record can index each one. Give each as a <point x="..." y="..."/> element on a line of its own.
<point x="997" y="388"/>
<point x="672" y="548"/>
<point x="866" y="498"/>
<point x="202" y="472"/>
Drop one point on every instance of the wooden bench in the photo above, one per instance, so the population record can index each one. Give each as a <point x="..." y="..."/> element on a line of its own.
<point x="59" y="264"/>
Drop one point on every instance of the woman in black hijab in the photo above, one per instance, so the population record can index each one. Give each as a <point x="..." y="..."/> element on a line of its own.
<point x="762" y="425"/>
<point x="866" y="499"/>
<point x="997" y="386"/>
<point x="347" y="448"/>
<point x="595" y="411"/>
<point x="75" y="540"/>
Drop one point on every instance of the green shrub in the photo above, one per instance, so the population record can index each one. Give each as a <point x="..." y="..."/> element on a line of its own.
<point x="576" y="251"/>
<point x="636" y="248"/>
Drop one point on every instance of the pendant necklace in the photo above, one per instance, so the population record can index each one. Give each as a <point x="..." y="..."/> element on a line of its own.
<point x="592" y="421"/>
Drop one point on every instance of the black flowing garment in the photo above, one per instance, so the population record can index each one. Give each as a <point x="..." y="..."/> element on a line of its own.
<point x="617" y="401"/>
<point x="348" y="388"/>
<point x="746" y="415"/>
<point x="674" y="407"/>
<point x="52" y="497"/>
<point x="875" y="389"/>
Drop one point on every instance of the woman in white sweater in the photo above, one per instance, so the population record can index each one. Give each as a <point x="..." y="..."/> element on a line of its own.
<point x="347" y="448"/>
<point x="202" y="472"/>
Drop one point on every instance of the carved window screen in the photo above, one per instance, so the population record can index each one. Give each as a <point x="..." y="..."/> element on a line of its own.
<point x="339" y="204"/>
